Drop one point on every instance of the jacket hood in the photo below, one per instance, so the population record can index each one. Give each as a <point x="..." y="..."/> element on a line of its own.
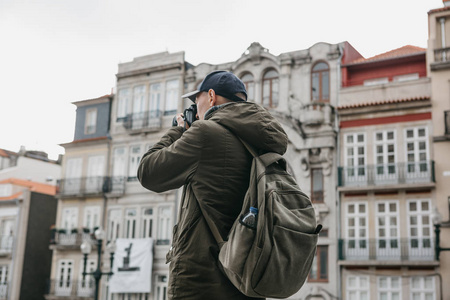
<point x="253" y="124"/>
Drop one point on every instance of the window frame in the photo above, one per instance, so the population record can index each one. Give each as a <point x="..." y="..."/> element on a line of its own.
<point x="272" y="82"/>
<point x="90" y="122"/>
<point x="317" y="262"/>
<point x="320" y="197"/>
<point x="320" y="73"/>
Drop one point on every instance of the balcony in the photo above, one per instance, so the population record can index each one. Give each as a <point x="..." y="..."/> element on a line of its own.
<point x="143" y="121"/>
<point x="72" y="289"/>
<point x="4" y="287"/>
<point x="316" y="113"/>
<point x="91" y="186"/>
<point x="63" y="239"/>
<point x="387" y="251"/>
<point x="396" y="174"/>
<point x="6" y="245"/>
<point x="441" y="59"/>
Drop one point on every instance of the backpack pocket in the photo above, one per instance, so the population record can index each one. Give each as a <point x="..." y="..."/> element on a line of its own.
<point x="287" y="263"/>
<point x="233" y="254"/>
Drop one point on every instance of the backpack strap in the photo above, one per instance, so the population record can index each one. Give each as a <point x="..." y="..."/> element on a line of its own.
<point x="212" y="226"/>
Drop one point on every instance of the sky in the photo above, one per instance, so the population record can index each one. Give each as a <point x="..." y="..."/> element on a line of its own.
<point x="56" y="52"/>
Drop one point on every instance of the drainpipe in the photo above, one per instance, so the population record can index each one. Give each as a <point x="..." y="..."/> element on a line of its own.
<point x="444" y="53"/>
<point x="338" y="156"/>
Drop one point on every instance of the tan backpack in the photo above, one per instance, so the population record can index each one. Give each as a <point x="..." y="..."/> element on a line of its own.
<point x="275" y="259"/>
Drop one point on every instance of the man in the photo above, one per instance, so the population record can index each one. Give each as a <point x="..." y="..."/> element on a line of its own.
<point x="214" y="166"/>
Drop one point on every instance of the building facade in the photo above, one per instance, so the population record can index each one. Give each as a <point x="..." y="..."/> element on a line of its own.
<point x="438" y="57"/>
<point x="387" y="183"/>
<point x="27" y="210"/>
<point x="81" y="200"/>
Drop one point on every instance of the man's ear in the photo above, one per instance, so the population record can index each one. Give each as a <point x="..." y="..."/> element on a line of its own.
<point x="212" y="98"/>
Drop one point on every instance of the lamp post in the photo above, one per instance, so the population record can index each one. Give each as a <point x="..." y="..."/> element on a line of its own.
<point x="437" y="221"/>
<point x="86" y="249"/>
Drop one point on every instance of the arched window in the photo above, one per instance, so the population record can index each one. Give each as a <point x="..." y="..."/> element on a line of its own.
<point x="270" y="89"/>
<point x="249" y="82"/>
<point x="320" y="83"/>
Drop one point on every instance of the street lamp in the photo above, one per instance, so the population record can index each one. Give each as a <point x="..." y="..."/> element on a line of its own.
<point x="437" y="221"/>
<point x="86" y="249"/>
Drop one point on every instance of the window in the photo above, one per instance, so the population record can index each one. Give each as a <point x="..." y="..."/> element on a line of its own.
<point x="355" y="157"/>
<point x="72" y="181"/>
<point x="122" y="104"/>
<point x="358" y="288"/>
<point x="114" y="224"/>
<point x="7" y="228"/>
<point x="356" y="224"/>
<point x="249" y="83"/>
<point x="95" y="172"/>
<point x="135" y="158"/>
<point x="91" y="217"/>
<point x="420" y="229"/>
<point x="130" y="223"/>
<point x="317" y="185"/>
<point x="161" y="287"/>
<point x="164" y="225"/>
<point x="4" y="281"/>
<point x="389" y="288"/>
<point x="64" y="277"/>
<point x="270" y="89"/>
<point x="138" y="117"/>
<point x="376" y="81"/>
<point x="69" y="218"/>
<point x="385" y="154"/>
<point x="320" y="82"/>
<point x="91" y="121"/>
<point x="147" y="223"/>
<point x="406" y="77"/>
<point x="417" y="151"/>
<point x="86" y="287"/>
<point x="319" y="269"/>
<point x="422" y="288"/>
<point x="155" y="100"/>
<point x="171" y="97"/>
<point x="387" y="230"/>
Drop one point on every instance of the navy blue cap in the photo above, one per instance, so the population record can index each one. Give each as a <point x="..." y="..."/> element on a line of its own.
<point x="223" y="83"/>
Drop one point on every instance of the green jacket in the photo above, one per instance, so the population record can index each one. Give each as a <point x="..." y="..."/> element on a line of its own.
<point x="214" y="167"/>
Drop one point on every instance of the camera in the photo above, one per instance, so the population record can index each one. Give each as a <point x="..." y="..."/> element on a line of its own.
<point x="189" y="115"/>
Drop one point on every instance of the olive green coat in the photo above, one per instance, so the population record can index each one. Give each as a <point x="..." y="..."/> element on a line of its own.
<point x="214" y="167"/>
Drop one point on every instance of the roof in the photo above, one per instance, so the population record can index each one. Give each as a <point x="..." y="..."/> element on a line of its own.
<point x="396" y="101"/>
<point x="6" y="153"/>
<point x="404" y="51"/>
<point x="439" y="9"/>
<point x="12" y="197"/>
<point x="33" y="186"/>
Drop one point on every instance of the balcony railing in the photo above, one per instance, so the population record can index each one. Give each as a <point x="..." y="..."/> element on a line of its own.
<point x="91" y="185"/>
<point x="411" y="249"/>
<point x="72" y="288"/>
<point x="151" y="120"/>
<point x="387" y="174"/>
<point x="70" y="240"/>
<point x="447" y="122"/>
<point x="442" y="55"/>
<point x="6" y="244"/>
<point x="4" y="287"/>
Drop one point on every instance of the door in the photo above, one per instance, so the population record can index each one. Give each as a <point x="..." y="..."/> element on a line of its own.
<point x="387" y="231"/>
<point x="63" y="284"/>
<point x="72" y="182"/>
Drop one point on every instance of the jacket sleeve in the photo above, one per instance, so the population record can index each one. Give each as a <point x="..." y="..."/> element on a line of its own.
<point x="172" y="161"/>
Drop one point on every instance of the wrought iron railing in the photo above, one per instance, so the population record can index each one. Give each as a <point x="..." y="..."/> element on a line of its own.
<point x="91" y="185"/>
<point x="447" y="122"/>
<point x="387" y="174"/>
<point x="144" y="120"/>
<point x="72" y="288"/>
<point x="394" y="249"/>
<point x="70" y="238"/>
<point x="6" y="244"/>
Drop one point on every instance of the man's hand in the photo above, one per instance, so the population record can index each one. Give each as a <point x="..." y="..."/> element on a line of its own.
<point x="181" y="122"/>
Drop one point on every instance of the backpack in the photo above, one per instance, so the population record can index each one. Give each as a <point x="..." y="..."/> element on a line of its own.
<point x="275" y="259"/>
